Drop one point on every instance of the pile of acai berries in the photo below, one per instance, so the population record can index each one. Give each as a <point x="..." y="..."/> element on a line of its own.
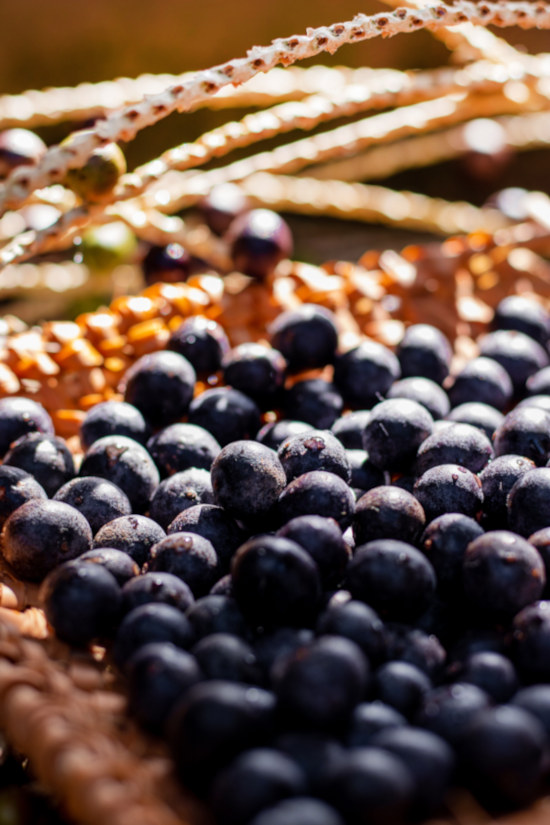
<point x="327" y="594"/>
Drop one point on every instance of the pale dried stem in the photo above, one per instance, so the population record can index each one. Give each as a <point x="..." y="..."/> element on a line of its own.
<point x="91" y="100"/>
<point x="125" y="123"/>
<point x="521" y="132"/>
<point x="469" y="42"/>
<point x="373" y="204"/>
<point x="177" y="190"/>
<point x="403" y="89"/>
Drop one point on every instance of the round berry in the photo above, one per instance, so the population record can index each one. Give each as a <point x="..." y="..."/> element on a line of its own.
<point x="178" y="492"/>
<point x="449" y="488"/>
<point x="482" y="380"/>
<point x="125" y="463"/>
<point x="96" y="179"/>
<point x="502" y="573"/>
<point x="392" y="577"/>
<point x="19" y="416"/>
<point x="100" y="501"/>
<point x="227" y="414"/>
<point x="365" y="373"/>
<point x="82" y="602"/>
<point x="118" y="563"/>
<point x="113" y="418"/>
<point x="202" y="342"/>
<point x="322" y="539"/>
<point x="528" y="502"/>
<point x="247" y="479"/>
<point x="16" y="487"/>
<point x="40" y="535"/>
<point x="387" y="513"/>
<point x="259" y="240"/>
<point x="19" y="147"/>
<point x="307" y="337"/>
<point x="320" y="685"/>
<point x="314" y="450"/>
<point x="134" y="535"/>
<point x="395" y="430"/>
<point x="164" y="377"/>
<point x="188" y="556"/>
<point x="424" y="351"/>
<point x="275" y="582"/>
<point x="180" y="446"/>
<point x="256" y="370"/>
<point x="169" y="264"/>
<point x="317" y="493"/>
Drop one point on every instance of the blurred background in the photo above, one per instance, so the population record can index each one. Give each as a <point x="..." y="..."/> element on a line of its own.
<point x="65" y="43"/>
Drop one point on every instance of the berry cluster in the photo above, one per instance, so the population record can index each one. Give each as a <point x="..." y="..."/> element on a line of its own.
<point x="324" y="578"/>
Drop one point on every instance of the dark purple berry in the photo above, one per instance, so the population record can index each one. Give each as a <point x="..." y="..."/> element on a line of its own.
<point x="46" y="457"/>
<point x="395" y="431"/>
<point x="178" y="492"/>
<point x="449" y="488"/>
<point x="526" y="432"/>
<point x="154" y="588"/>
<point x="315" y="401"/>
<point x="19" y="416"/>
<point x="202" y="342"/>
<point x="161" y="386"/>
<point x="226" y="413"/>
<point x="40" y="535"/>
<point x="255" y="780"/>
<point x="222" y="205"/>
<point x="314" y="450"/>
<point x="482" y="380"/>
<point x="16" y="488"/>
<point x="119" y="564"/>
<point x="319" y="685"/>
<point x="322" y="539"/>
<point x="256" y="370"/>
<point x="82" y="602"/>
<point x="247" y="480"/>
<point x="259" y="240"/>
<point x="125" y="463"/>
<point x="455" y="444"/>
<point x="444" y="543"/>
<point x="188" y="556"/>
<point x="392" y="577"/>
<point x="317" y="493"/>
<point x="502" y="573"/>
<point x="528" y="502"/>
<point x="100" y="501"/>
<point x="497" y="479"/>
<point x="387" y="513"/>
<point x="135" y="535"/>
<point x="19" y="147"/>
<point x="365" y="373"/>
<point x="275" y="582"/>
<point x="518" y="312"/>
<point x="520" y="355"/>
<point x="159" y="675"/>
<point x="424" y="391"/>
<point x="307" y="337"/>
<point x="181" y="446"/>
<point x="169" y="264"/>
<point x="424" y="351"/>
<point x="113" y="418"/>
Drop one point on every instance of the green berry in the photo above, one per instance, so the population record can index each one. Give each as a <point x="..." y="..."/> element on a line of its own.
<point x="97" y="178"/>
<point x="107" y="246"/>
